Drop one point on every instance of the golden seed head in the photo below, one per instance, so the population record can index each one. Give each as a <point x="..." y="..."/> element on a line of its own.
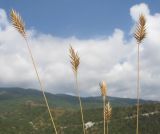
<point x="108" y="112"/>
<point x="74" y="59"/>
<point x="103" y="88"/>
<point x="140" y="32"/>
<point x="17" y="22"/>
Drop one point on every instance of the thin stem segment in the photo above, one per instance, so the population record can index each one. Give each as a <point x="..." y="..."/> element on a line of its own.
<point x="107" y="127"/>
<point x="41" y="85"/>
<point x="104" y="122"/>
<point x="138" y="87"/>
<point x="80" y="103"/>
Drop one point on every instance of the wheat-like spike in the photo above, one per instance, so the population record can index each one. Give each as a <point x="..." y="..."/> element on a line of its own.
<point x="74" y="59"/>
<point x="18" y="22"/>
<point x="140" y="32"/>
<point x="103" y="88"/>
<point x="19" y="25"/>
<point x="139" y="35"/>
<point x="108" y="112"/>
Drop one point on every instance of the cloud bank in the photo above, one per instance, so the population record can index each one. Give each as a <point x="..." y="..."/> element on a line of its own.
<point x="111" y="58"/>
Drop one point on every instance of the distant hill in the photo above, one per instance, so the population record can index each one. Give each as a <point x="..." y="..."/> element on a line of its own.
<point x="22" y="95"/>
<point x="22" y="111"/>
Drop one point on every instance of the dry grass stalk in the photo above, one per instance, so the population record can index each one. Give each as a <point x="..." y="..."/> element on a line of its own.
<point x="139" y="35"/>
<point x="19" y="25"/>
<point x="103" y="88"/>
<point x="140" y="32"/>
<point x="75" y="61"/>
<point x="18" y="22"/>
<point x="108" y="114"/>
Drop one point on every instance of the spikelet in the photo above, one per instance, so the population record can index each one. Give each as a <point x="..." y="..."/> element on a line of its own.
<point x="17" y="22"/>
<point x="103" y="88"/>
<point x="74" y="59"/>
<point x="140" y="32"/>
<point x="139" y="35"/>
<point x="108" y="112"/>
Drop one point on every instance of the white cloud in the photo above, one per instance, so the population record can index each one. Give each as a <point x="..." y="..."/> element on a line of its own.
<point x="138" y="9"/>
<point x="3" y="19"/>
<point x="112" y="58"/>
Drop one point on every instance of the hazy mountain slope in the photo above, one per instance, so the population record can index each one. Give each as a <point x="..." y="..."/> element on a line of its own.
<point x="23" y="111"/>
<point x="20" y="95"/>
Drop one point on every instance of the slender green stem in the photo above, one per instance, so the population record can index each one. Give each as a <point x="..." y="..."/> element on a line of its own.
<point x="104" y="125"/>
<point x="138" y="88"/>
<point x="80" y="103"/>
<point x="41" y="86"/>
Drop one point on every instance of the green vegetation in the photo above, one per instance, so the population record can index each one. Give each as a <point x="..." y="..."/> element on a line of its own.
<point x="24" y="112"/>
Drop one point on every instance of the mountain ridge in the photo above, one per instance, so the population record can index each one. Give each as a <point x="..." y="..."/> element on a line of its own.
<point x="63" y="100"/>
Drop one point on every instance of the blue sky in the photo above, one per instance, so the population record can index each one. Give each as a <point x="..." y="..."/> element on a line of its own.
<point x="102" y="33"/>
<point x="80" y="18"/>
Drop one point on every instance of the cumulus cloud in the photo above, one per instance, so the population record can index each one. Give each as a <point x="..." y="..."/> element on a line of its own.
<point x="111" y="58"/>
<point x="138" y="9"/>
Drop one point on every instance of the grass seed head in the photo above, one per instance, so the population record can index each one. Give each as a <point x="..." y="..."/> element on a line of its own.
<point x="17" y="22"/>
<point x="108" y="112"/>
<point x="103" y="88"/>
<point x="140" y="32"/>
<point x="74" y="59"/>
